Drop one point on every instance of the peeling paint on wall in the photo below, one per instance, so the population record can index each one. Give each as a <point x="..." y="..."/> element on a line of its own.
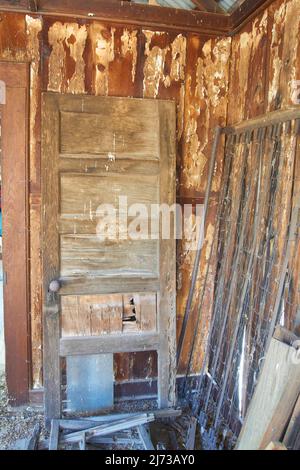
<point x="103" y="44"/>
<point x="154" y="66"/>
<point x="76" y="40"/>
<point x="129" y="46"/>
<point x="276" y="44"/>
<point x="56" y="37"/>
<point x="63" y="37"/>
<point x="208" y="99"/>
<point x="290" y="54"/>
<point x="180" y="112"/>
<point x="33" y="28"/>
<point x="178" y="48"/>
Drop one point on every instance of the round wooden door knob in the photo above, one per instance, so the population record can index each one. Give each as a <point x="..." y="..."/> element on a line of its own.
<point x="54" y="286"/>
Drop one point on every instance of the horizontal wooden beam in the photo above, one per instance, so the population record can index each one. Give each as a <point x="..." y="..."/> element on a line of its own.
<point x="107" y="285"/>
<point x="245" y="12"/>
<point x="118" y="12"/>
<point x="77" y="346"/>
<point x="150" y="16"/>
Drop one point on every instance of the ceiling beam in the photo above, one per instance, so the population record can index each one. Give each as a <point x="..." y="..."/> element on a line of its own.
<point x="208" y="5"/>
<point x="144" y="15"/>
<point x="33" y="5"/>
<point x="246" y="11"/>
<point x="118" y="12"/>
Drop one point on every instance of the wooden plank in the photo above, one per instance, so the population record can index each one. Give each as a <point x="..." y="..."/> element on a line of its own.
<point x="74" y="321"/>
<point x="191" y="435"/>
<point x="148" y="312"/>
<point x="34" y="439"/>
<point x="167" y="297"/>
<point x="84" y="423"/>
<point x="94" y="315"/>
<point x="87" y="255"/>
<point x="108" y="285"/>
<point x="84" y="133"/>
<point x="281" y="415"/>
<point x="14" y="175"/>
<point x="135" y="14"/>
<point x="50" y="256"/>
<point x="292" y="433"/>
<point x="99" y="165"/>
<point x="54" y="435"/>
<point x="108" y="344"/>
<point x="145" y="437"/>
<point x="279" y="378"/>
<point x="109" y="428"/>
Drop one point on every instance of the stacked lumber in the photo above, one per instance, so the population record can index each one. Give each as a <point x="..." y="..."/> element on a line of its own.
<point x="273" y="418"/>
<point x="121" y="429"/>
<point x="84" y="432"/>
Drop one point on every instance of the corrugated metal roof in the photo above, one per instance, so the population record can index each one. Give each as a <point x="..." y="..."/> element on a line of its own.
<point x="226" y="5"/>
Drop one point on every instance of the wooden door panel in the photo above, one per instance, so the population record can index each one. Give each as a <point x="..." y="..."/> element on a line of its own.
<point x="85" y="134"/>
<point x="115" y="295"/>
<point x="83" y="255"/>
<point x="82" y="194"/>
<point x="83" y="315"/>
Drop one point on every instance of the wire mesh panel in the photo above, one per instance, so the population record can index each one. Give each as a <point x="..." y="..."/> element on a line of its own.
<point x="257" y="280"/>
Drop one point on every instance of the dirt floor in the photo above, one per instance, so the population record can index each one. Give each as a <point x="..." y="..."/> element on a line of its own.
<point x="17" y="424"/>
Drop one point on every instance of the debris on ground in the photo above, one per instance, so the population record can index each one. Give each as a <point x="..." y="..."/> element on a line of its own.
<point x="18" y="425"/>
<point x="133" y="425"/>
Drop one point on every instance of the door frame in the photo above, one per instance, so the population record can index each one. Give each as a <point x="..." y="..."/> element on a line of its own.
<point x="15" y="183"/>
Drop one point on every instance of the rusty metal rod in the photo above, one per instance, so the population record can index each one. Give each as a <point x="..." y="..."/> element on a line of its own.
<point x="218" y="132"/>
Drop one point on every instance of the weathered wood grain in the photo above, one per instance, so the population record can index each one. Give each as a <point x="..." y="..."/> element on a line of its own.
<point x="50" y="253"/>
<point x="109" y="344"/>
<point x="14" y="201"/>
<point x="280" y="375"/>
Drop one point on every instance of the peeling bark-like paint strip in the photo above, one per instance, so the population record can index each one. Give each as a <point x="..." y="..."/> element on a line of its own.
<point x="154" y="73"/>
<point x="290" y="53"/>
<point x="36" y="295"/>
<point x="76" y="40"/>
<point x="180" y="112"/>
<point x="246" y="94"/>
<point x="276" y="65"/>
<point x="56" y="36"/>
<point x="103" y="44"/>
<point x="178" y="48"/>
<point x="209" y="99"/>
<point x="33" y="28"/>
<point x="154" y="66"/>
<point x="129" y="46"/>
<point x="62" y="37"/>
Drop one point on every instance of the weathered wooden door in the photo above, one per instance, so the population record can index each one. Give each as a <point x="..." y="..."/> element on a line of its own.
<point x="106" y="295"/>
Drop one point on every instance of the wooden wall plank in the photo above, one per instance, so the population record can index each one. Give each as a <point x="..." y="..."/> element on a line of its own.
<point x="280" y="375"/>
<point x="14" y="205"/>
